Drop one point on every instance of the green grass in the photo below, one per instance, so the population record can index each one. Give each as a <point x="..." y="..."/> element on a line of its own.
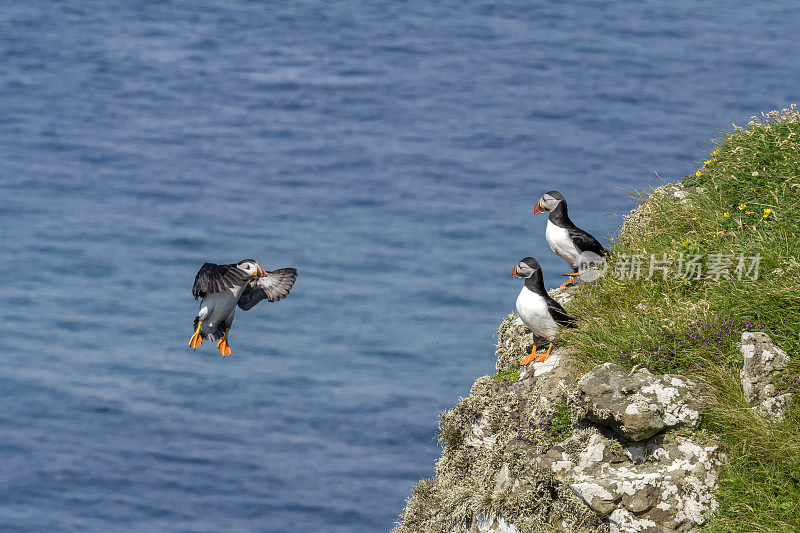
<point x="745" y="200"/>
<point x="509" y="376"/>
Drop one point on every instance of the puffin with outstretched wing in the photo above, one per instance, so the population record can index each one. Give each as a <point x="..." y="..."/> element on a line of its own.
<point x="223" y="287"/>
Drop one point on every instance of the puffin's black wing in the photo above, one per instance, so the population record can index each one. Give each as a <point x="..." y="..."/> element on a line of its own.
<point x="559" y="314"/>
<point x="274" y="286"/>
<point x="216" y="278"/>
<point x="585" y="242"/>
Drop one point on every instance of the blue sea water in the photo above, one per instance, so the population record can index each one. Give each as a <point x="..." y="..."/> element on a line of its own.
<point x="391" y="151"/>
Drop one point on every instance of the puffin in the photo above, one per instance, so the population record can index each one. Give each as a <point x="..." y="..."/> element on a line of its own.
<point x="576" y="246"/>
<point x="223" y="287"/>
<point x="537" y="310"/>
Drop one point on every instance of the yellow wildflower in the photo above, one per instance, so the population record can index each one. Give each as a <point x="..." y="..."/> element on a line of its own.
<point x="697" y="174"/>
<point x="687" y="242"/>
<point x="726" y="214"/>
<point x="767" y="212"/>
<point x="742" y="206"/>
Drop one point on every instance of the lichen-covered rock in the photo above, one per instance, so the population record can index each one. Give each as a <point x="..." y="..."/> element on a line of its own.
<point x="599" y="494"/>
<point x="665" y="484"/>
<point x="764" y="366"/>
<point x="513" y="342"/>
<point x="545" y="383"/>
<point x="638" y="405"/>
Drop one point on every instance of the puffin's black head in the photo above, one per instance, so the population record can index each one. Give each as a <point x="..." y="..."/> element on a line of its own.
<point x="252" y="267"/>
<point x="526" y="268"/>
<point x="548" y="202"/>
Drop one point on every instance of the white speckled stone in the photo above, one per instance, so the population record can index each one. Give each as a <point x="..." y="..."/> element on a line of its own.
<point x="761" y="374"/>
<point x="666" y="484"/>
<point x="637" y="405"/>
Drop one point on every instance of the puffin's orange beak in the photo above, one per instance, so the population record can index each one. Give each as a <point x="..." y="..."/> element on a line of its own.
<point x="538" y="208"/>
<point x="514" y="272"/>
<point x="261" y="272"/>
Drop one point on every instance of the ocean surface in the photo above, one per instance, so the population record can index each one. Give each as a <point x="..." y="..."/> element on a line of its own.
<point x="391" y="151"/>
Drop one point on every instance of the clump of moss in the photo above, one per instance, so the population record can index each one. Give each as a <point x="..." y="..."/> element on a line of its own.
<point x="508" y="376"/>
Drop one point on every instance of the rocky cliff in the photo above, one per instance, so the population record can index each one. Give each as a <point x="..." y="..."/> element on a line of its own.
<point x="567" y="445"/>
<point x="552" y="448"/>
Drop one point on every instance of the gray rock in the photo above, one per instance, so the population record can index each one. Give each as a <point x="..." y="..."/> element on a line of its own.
<point x="480" y="434"/>
<point x="647" y="481"/>
<point x="665" y="484"/>
<point x="502" y="480"/>
<point x="639" y="405"/>
<point x="764" y="366"/>
<point x="642" y="499"/>
<point x="600" y="495"/>
<point x="557" y="461"/>
<point x="550" y="378"/>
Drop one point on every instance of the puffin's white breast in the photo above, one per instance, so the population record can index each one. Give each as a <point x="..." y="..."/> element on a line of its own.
<point x="221" y="304"/>
<point x="560" y="242"/>
<point x="532" y="309"/>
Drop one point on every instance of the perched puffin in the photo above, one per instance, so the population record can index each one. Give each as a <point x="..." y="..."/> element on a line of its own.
<point x="576" y="246"/>
<point x="223" y="287"/>
<point x="543" y="315"/>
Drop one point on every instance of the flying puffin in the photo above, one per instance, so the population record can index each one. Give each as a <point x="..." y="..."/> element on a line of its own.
<point x="576" y="246"/>
<point x="543" y="315"/>
<point x="223" y="287"/>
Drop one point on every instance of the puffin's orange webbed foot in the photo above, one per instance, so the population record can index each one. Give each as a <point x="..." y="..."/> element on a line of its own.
<point x="570" y="281"/>
<point x="223" y="346"/>
<point x="528" y="358"/>
<point x="196" y="339"/>
<point x="543" y="357"/>
<point x="572" y="277"/>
